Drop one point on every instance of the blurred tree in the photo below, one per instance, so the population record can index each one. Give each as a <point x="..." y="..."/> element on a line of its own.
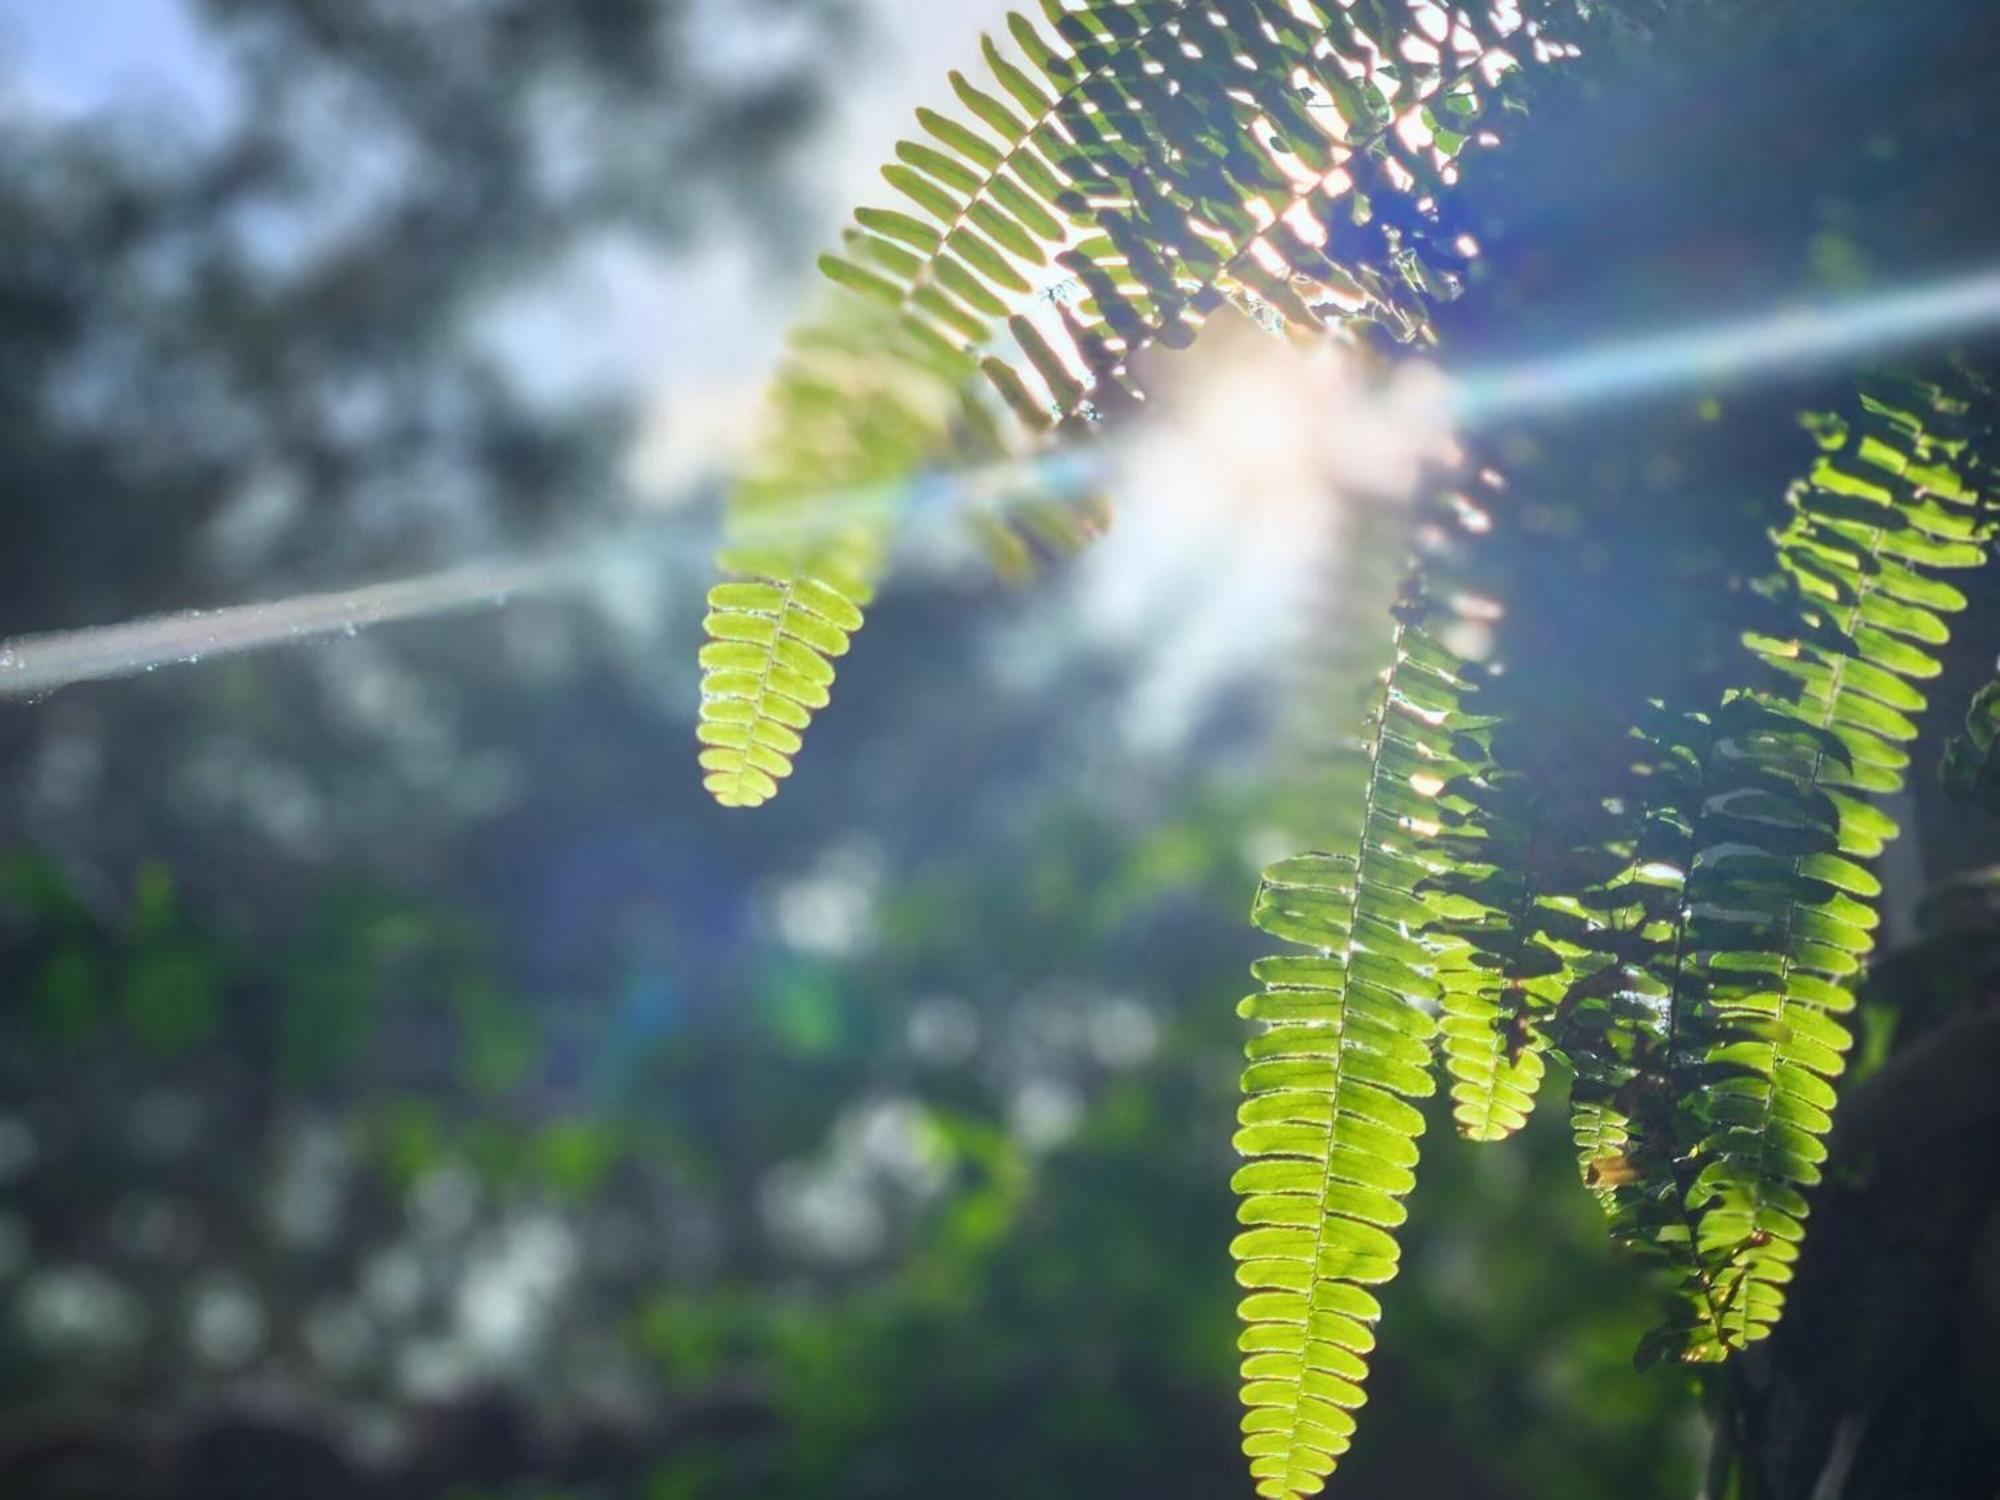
<point x="274" y="355"/>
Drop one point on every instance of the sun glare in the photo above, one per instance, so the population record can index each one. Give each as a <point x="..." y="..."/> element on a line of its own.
<point x="1236" y="487"/>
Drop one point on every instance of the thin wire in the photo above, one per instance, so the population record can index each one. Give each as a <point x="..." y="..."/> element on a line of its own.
<point x="37" y="664"/>
<point x="32" y="666"/>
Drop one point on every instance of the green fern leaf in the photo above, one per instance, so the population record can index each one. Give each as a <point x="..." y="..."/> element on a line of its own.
<point x="1153" y="160"/>
<point x="1893" y="501"/>
<point x="767" y="667"/>
<point x="1346" y="1042"/>
<point x="1706" y="1056"/>
<point x="806" y="561"/>
<point x="1243" y="153"/>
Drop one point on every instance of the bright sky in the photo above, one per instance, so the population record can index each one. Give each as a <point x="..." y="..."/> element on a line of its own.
<point x="76" y="56"/>
<point x="673" y="323"/>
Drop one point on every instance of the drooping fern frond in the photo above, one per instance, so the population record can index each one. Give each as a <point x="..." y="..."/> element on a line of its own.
<point x="1705" y="1057"/>
<point x="767" y="668"/>
<point x="1345" y="1043"/>
<point x="1132" y="167"/>
<point x="1784" y="892"/>
<point x="808" y="530"/>
<point x="1743" y="838"/>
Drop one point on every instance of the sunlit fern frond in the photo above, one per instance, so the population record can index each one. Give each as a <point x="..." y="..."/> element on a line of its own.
<point x="1182" y="155"/>
<point x="767" y="667"/>
<point x="1130" y="167"/>
<point x="1706" y="1057"/>
<point x="1783" y="892"/>
<point x="853" y="416"/>
<point x="1345" y="1042"/>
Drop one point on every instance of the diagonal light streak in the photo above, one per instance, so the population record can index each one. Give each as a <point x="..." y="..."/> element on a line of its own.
<point x="1796" y="339"/>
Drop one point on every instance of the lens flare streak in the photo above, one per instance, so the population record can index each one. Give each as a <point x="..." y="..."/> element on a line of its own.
<point x="1793" y="340"/>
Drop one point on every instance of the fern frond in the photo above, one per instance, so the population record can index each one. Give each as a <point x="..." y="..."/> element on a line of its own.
<point x="1706" y="1058"/>
<point x="1246" y="153"/>
<point x="1783" y="893"/>
<point x="1150" y="160"/>
<point x="1625" y="1024"/>
<point x="853" y="415"/>
<point x="1346" y="1041"/>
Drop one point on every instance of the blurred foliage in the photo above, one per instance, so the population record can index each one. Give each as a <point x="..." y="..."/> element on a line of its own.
<point x="1042" y="1301"/>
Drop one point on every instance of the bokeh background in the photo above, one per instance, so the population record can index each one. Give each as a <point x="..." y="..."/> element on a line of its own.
<point x="410" y="1085"/>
